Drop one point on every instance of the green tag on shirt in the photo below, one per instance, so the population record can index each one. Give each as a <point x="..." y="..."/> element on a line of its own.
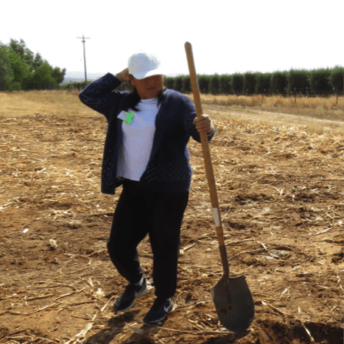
<point x="129" y="116"/>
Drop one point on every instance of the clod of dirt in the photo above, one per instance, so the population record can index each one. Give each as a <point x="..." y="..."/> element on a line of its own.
<point x="53" y="244"/>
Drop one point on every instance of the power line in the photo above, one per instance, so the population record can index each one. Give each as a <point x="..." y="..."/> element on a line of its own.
<point x="83" y="42"/>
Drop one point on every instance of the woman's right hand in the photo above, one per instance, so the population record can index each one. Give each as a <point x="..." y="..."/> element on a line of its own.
<point x="123" y="76"/>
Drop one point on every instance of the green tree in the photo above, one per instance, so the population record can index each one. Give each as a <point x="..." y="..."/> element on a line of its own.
<point x="263" y="83"/>
<point x="18" y="47"/>
<point x="170" y="83"/>
<point x="42" y="78"/>
<point x="249" y="83"/>
<point x="25" y="53"/>
<point x="186" y="84"/>
<point x="21" y="69"/>
<point x="203" y="83"/>
<point x="214" y="84"/>
<point x="319" y="81"/>
<point x="6" y="72"/>
<point x="27" y="83"/>
<point x="225" y="84"/>
<point x="336" y="79"/>
<point x="25" y="69"/>
<point x="37" y="61"/>
<point x="178" y="84"/>
<point x="298" y="81"/>
<point x="279" y="82"/>
<point x="237" y="83"/>
<point x="58" y="74"/>
<point x="29" y="57"/>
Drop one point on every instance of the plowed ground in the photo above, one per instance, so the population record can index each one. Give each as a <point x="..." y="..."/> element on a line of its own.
<point x="280" y="191"/>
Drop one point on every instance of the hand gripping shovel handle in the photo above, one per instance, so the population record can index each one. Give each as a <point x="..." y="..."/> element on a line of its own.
<point x="231" y="295"/>
<point x="207" y="162"/>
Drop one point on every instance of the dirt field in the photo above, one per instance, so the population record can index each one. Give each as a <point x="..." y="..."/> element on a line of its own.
<point x="280" y="191"/>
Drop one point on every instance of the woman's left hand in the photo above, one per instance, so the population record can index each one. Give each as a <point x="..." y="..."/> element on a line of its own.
<point x="204" y="124"/>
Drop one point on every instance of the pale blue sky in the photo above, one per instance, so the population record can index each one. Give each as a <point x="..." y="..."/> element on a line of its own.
<point x="226" y="36"/>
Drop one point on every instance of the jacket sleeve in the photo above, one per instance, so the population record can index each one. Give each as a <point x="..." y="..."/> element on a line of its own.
<point x="98" y="94"/>
<point x="189" y="116"/>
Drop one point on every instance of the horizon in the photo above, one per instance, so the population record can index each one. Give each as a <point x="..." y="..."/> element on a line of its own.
<point x="82" y="73"/>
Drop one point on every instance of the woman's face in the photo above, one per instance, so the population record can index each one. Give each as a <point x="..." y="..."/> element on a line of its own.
<point x="149" y="87"/>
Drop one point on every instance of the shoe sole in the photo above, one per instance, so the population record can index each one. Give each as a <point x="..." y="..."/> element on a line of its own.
<point x="157" y="322"/>
<point x="141" y="293"/>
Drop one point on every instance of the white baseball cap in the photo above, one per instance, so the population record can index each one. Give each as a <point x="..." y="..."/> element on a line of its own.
<point x="142" y="65"/>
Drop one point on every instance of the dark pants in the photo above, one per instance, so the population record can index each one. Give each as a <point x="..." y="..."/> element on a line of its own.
<point x="140" y="212"/>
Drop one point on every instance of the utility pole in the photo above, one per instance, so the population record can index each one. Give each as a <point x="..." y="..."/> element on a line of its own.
<point x="83" y="41"/>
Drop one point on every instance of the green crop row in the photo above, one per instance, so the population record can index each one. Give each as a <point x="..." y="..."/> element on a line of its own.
<point x="313" y="82"/>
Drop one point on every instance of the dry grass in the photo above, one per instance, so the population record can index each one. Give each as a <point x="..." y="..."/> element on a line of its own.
<point x="323" y="108"/>
<point x="318" y="115"/>
<point x="17" y="104"/>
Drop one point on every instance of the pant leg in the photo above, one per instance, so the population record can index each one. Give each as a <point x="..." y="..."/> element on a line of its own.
<point x="166" y="219"/>
<point x="129" y="227"/>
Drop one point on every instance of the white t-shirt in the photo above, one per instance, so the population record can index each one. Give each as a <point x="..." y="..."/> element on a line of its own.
<point x="137" y="139"/>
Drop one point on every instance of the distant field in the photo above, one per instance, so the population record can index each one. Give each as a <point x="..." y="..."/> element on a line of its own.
<point x="329" y="108"/>
<point x="316" y="114"/>
<point x="23" y="103"/>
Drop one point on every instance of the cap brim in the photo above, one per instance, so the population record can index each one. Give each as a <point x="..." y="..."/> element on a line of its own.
<point x="147" y="74"/>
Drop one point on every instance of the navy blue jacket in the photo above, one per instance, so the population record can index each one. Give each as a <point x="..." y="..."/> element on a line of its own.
<point x="168" y="169"/>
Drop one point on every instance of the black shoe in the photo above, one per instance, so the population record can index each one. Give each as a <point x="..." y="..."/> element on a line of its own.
<point x="132" y="291"/>
<point x="158" y="312"/>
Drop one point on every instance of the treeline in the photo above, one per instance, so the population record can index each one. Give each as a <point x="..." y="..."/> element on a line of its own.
<point x="21" y="69"/>
<point x="313" y="82"/>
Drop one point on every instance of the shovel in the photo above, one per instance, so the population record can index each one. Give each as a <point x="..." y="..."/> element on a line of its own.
<point x="231" y="295"/>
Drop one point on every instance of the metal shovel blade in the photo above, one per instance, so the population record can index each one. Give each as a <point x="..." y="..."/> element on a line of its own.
<point x="234" y="303"/>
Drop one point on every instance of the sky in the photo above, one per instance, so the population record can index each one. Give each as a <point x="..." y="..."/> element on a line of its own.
<point x="227" y="36"/>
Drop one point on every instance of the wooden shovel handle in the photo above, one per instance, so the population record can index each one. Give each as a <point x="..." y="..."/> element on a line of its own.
<point x="206" y="153"/>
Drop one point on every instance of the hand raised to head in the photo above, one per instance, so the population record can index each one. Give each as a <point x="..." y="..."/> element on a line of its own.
<point x="123" y="76"/>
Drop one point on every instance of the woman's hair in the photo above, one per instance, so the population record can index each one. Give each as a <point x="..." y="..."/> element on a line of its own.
<point x="133" y="99"/>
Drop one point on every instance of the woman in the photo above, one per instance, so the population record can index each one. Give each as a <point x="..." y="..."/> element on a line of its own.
<point x="146" y="152"/>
